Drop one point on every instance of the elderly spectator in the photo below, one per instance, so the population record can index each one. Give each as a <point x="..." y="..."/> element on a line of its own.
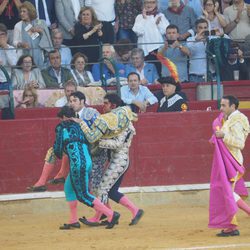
<point x="126" y="12"/>
<point x="182" y="16"/>
<point x="9" y="15"/>
<point x="107" y="69"/>
<point x="175" y="51"/>
<point x="136" y="95"/>
<point x="27" y="74"/>
<point x="147" y="71"/>
<point x="8" y="55"/>
<point x="67" y="12"/>
<point x="45" y="10"/>
<point x="88" y="31"/>
<point x="32" y="34"/>
<point x="238" y="20"/>
<point x="66" y="56"/>
<point x="215" y="19"/>
<point x="123" y="50"/>
<point x="170" y="100"/>
<point x="150" y="27"/>
<point x="81" y="75"/>
<point x="29" y="99"/>
<point x="69" y="88"/>
<point x="55" y="75"/>
<point x="235" y="68"/>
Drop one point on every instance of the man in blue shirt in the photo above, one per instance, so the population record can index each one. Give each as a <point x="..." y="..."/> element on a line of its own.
<point x="136" y="95"/>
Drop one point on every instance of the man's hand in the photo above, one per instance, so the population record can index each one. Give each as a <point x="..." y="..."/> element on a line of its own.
<point x="219" y="134"/>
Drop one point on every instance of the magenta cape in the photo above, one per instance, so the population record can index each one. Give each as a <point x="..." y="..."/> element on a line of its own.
<point x="222" y="206"/>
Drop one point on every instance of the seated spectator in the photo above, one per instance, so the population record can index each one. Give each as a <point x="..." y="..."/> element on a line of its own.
<point x="175" y="51"/>
<point x="237" y="18"/>
<point x="31" y="35"/>
<point x="150" y="26"/>
<point x="55" y="75"/>
<point x="123" y="49"/>
<point x="107" y="69"/>
<point x="88" y="31"/>
<point x="27" y="74"/>
<point x="182" y="16"/>
<point x="69" y="88"/>
<point x="29" y="99"/>
<point x="198" y="58"/>
<point x="8" y="55"/>
<point x="147" y="71"/>
<point x="9" y="16"/>
<point x="65" y="52"/>
<point x="136" y="95"/>
<point x="235" y="68"/>
<point x="170" y="100"/>
<point x="246" y="52"/>
<point x="126" y="12"/>
<point x="81" y="76"/>
<point x="215" y="19"/>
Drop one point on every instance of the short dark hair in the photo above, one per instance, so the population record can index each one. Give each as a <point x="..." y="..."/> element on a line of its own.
<point x="232" y="100"/>
<point x="172" y="26"/>
<point x="79" y="95"/>
<point x="114" y="99"/>
<point x="53" y="52"/>
<point x="66" y="111"/>
<point x="200" y="20"/>
<point x="134" y="73"/>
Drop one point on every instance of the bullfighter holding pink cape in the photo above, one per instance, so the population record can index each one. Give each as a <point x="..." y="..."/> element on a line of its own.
<point x="231" y="129"/>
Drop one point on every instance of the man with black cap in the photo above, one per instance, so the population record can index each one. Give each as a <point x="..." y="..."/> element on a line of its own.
<point x="170" y="99"/>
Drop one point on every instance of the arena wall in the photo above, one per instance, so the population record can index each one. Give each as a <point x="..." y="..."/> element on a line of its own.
<point x="168" y="149"/>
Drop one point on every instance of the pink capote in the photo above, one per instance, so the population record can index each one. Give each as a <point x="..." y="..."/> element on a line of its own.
<point x="222" y="206"/>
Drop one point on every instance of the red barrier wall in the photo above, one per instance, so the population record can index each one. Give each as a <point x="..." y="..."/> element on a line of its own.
<point x="169" y="149"/>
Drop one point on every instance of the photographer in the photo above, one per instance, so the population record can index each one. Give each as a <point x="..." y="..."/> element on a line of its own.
<point x="175" y="51"/>
<point x="235" y="67"/>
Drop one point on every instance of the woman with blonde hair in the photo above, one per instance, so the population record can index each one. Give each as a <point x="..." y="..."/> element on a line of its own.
<point x="31" y="35"/>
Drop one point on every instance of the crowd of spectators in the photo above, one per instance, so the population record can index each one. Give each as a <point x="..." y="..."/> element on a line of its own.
<point x="47" y="43"/>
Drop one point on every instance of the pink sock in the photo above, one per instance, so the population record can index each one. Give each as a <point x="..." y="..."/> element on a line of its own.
<point x="99" y="206"/>
<point x="73" y="212"/>
<point x="243" y="205"/>
<point x="47" y="169"/>
<point x="64" y="170"/>
<point x="129" y="205"/>
<point x="96" y="217"/>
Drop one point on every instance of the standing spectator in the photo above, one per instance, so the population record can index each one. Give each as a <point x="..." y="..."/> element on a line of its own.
<point x="108" y="70"/>
<point x="67" y="12"/>
<point x="32" y="34"/>
<point x="238" y="20"/>
<point x="45" y="10"/>
<point x="182" y="16"/>
<point x="147" y="71"/>
<point x="8" y="55"/>
<point x="9" y="15"/>
<point x="126" y="12"/>
<point x="69" y="88"/>
<point x="136" y="95"/>
<point x="169" y="99"/>
<point x="29" y="99"/>
<point x="81" y="75"/>
<point x="215" y="19"/>
<point x="235" y="68"/>
<point x="27" y="74"/>
<point x="175" y="51"/>
<point x="88" y="31"/>
<point x="66" y="56"/>
<point x="55" y="75"/>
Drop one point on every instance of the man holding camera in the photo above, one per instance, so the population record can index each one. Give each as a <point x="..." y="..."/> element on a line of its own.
<point x="175" y="51"/>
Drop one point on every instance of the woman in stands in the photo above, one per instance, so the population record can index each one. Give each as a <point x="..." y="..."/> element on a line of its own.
<point x="31" y="35"/>
<point x="29" y="99"/>
<point x="81" y="75"/>
<point x="27" y="74"/>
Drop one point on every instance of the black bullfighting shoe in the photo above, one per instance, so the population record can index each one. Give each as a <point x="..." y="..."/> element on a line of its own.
<point x="70" y="226"/>
<point x="57" y="181"/>
<point x="37" y="189"/>
<point x="137" y="217"/>
<point x="114" y="221"/>
<point x="227" y="234"/>
<point x="89" y="223"/>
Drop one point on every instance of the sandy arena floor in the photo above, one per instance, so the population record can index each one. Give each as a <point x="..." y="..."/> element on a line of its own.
<point x="162" y="227"/>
